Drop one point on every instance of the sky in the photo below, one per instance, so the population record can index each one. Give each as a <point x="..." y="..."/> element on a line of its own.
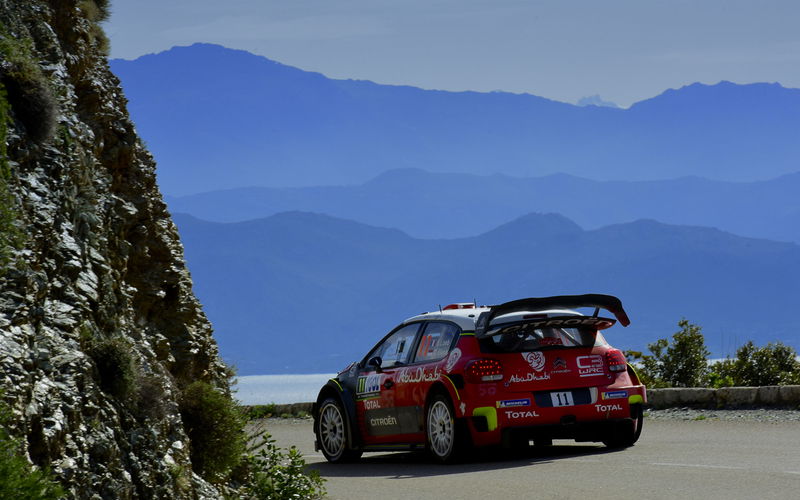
<point x="622" y="50"/>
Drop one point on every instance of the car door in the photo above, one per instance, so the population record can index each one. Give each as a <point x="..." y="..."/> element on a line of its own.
<point x="414" y="381"/>
<point x="376" y="401"/>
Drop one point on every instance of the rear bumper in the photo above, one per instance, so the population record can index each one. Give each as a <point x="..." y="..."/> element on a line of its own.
<point x="596" y="419"/>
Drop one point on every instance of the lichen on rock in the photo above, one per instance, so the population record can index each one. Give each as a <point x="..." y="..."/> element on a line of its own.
<point x="98" y="271"/>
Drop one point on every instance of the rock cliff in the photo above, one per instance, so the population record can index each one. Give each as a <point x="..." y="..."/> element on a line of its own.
<point x="99" y="327"/>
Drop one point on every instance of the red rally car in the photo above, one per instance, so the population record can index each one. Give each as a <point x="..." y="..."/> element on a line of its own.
<point x="530" y="370"/>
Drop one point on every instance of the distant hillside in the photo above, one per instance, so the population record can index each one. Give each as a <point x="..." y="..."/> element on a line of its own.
<point x="300" y="292"/>
<point x="431" y="205"/>
<point x="217" y="118"/>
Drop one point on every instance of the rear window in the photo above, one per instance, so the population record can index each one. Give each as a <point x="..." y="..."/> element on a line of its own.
<point x="520" y="337"/>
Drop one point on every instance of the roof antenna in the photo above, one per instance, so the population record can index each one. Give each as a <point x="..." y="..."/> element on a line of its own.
<point x="474" y="302"/>
<point x="596" y="312"/>
<point x="440" y="309"/>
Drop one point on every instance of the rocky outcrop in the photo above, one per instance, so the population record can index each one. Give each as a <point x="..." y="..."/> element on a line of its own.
<point x="97" y="262"/>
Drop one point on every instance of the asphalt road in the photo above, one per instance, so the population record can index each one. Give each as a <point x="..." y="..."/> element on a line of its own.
<point x="673" y="459"/>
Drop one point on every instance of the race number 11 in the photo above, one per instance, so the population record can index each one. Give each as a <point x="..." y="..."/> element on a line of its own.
<point x="562" y="399"/>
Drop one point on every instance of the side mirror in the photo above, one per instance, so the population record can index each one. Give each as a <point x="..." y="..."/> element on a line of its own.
<point x="376" y="363"/>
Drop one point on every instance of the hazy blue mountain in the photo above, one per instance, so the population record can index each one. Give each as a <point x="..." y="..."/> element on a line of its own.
<point x="217" y="118"/>
<point x="299" y="292"/>
<point x="433" y="205"/>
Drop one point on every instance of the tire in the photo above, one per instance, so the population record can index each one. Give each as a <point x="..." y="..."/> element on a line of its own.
<point x="332" y="432"/>
<point x="629" y="433"/>
<point x="445" y="441"/>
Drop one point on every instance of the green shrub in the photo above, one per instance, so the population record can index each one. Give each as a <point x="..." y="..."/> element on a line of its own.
<point x="151" y="397"/>
<point x="10" y="235"/>
<point x="215" y="428"/>
<point x="257" y="412"/>
<point x="27" y="88"/>
<point x="18" y="479"/>
<point x="679" y="363"/>
<point x="115" y="364"/>
<point x="273" y="474"/>
<point x="773" y="364"/>
<point x="96" y="11"/>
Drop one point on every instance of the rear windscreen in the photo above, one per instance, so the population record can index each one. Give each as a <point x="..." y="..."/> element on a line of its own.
<point x="520" y="337"/>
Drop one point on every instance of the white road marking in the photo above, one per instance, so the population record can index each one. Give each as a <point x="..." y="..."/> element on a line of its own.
<point x="700" y="466"/>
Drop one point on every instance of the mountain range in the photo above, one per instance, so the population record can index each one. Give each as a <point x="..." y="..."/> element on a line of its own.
<point x="318" y="213"/>
<point x="217" y="118"/>
<point x="300" y="292"/>
<point x="439" y="205"/>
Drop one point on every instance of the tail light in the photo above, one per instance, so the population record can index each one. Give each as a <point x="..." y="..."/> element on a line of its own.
<point x="484" y="370"/>
<point x="616" y="361"/>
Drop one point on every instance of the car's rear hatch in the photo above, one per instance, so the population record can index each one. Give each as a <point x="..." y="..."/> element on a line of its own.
<point x="538" y="355"/>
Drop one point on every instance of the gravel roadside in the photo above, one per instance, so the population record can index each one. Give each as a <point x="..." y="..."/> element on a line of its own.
<point x="731" y="415"/>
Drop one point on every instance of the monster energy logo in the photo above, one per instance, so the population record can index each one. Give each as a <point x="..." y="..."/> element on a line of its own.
<point x="368" y="384"/>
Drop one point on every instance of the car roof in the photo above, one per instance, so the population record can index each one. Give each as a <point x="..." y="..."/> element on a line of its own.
<point x="466" y="318"/>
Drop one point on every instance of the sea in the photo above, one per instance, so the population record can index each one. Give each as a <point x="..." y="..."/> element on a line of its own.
<point x="279" y="389"/>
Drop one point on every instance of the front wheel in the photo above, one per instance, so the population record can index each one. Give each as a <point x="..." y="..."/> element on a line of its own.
<point x="440" y="428"/>
<point x="332" y="432"/>
<point x="628" y="434"/>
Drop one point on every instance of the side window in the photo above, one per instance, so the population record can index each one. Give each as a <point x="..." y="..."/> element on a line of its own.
<point x="396" y="350"/>
<point x="436" y="341"/>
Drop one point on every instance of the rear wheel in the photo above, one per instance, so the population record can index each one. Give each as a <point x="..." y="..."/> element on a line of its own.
<point x="440" y="428"/>
<point x="332" y="432"/>
<point x="627" y="434"/>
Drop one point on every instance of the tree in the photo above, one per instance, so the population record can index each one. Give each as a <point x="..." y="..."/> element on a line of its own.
<point x="773" y="364"/>
<point x="680" y="363"/>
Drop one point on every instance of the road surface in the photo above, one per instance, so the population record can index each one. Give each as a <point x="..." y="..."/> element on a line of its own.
<point x="673" y="460"/>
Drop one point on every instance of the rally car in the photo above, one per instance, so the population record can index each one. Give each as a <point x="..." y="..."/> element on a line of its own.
<point x="527" y="371"/>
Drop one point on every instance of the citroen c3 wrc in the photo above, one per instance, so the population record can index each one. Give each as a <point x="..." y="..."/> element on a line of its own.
<point x="527" y="371"/>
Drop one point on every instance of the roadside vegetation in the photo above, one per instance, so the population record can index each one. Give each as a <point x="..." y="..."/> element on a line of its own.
<point x="273" y="473"/>
<point x="224" y="453"/>
<point x="682" y="361"/>
<point x="272" y="410"/>
<point x="18" y="478"/>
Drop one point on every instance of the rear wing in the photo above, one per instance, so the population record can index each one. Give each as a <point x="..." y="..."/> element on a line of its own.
<point x="607" y="302"/>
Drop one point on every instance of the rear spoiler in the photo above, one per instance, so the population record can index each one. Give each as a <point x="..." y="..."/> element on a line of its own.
<point x="607" y="302"/>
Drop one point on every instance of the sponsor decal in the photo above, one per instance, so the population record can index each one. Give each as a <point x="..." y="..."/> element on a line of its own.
<point x="615" y="395"/>
<point x="590" y="366"/>
<point x="575" y="322"/>
<point x="463" y="407"/>
<point x="382" y="421"/>
<point x="530" y="377"/>
<point x="551" y="341"/>
<point x="535" y="359"/>
<point x="512" y="403"/>
<point x="521" y="414"/>
<point x="487" y="390"/>
<point x="452" y="359"/>
<point x="372" y="404"/>
<point x="606" y="408"/>
<point x="560" y="366"/>
<point x="369" y="384"/>
<point x="412" y="376"/>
